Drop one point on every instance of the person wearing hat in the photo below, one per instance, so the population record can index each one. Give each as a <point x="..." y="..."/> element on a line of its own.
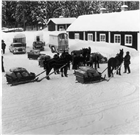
<point x="127" y="62"/>
<point x="3" y="46"/>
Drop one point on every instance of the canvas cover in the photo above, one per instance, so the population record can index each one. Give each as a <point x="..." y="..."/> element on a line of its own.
<point x="90" y="71"/>
<point x="18" y="74"/>
<point x="87" y="74"/>
<point x="20" y="37"/>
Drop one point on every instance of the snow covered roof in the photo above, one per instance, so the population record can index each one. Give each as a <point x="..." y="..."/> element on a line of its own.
<point x="20" y="35"/>
<point x="116" y="21"/>
<point x="62" y="20"/>
<point x="56" y="33"/>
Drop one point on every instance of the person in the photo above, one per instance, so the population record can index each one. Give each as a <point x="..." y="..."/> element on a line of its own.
<point x="3" y="46"/>
<point x="2" y="63"/>
<point x="127" y="62"/>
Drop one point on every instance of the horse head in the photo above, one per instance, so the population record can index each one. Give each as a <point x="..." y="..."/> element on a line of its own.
<point x="121" y="52"/>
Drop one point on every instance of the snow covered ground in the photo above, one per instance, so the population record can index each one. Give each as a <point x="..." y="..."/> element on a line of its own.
<point x="62" y="106"/>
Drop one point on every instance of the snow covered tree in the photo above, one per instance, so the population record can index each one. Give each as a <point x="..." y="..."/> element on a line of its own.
<point x="23" y="13"/>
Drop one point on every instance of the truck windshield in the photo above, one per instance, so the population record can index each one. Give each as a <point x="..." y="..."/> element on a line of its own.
<point x="17" y="45"/>
<point x="63" y="36"/>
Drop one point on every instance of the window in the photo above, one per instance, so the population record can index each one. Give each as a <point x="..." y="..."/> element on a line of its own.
<point x="117" y="38"/>
<point x="102" y="37"/>
<point x="76" y="35"/>
<point x="61" y="28"/>
<point x="128" y="40"/>
<point x="90" y="37"/>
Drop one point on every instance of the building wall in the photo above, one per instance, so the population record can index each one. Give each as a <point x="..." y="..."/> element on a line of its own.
<point x="89" y="32"/>
<point x="51" y="26"/>
<point x="134" y="38"/>
<point x="102" y="32"/>
<point x="72" y="35"/>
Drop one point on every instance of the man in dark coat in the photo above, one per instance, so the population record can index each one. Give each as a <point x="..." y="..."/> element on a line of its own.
<point x="3" y="46"/>
<point x="2" y="64"/>
<point x="127" y="63"/>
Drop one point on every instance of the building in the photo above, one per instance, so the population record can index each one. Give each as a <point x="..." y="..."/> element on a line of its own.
<point x="57" y="24"/>
<point x="117" y="27"/>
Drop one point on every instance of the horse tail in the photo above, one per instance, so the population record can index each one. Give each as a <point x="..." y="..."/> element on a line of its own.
<point x="109" y="68"/>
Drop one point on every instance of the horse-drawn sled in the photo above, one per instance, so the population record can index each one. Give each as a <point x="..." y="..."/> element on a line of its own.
<point x="34" y="54"/>
<point x="87" y="74"/>
<point x="20" y="75"/>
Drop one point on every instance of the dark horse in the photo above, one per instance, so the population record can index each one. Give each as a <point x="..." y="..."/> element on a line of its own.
<point x="62" y="62"/>
<point x="80" y="56"/>
<point x="94" y="59"/>
<point x="115" y="63"/>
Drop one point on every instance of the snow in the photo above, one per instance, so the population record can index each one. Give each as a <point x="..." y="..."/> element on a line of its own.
<point x="124" y="21"/>
<point x="62" y="20"/>
<point x="62" y="106"/>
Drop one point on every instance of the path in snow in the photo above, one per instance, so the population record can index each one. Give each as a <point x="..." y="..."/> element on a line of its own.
<point x="48" y="107"/>
<point x="62" y="106"/>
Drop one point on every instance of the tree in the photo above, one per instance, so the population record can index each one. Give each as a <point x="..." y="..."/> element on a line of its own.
<point x="8" y="13"/>
<point x="3" y="13"/>
<point x="23" y="13"/>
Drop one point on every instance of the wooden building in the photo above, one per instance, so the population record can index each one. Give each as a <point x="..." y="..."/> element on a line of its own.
<point x="58" y="24"/>
<point x="117" y="27"/>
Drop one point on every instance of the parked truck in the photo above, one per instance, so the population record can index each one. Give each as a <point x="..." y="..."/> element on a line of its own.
<point x="58" y="42"/>
<point x="19" y="44"/>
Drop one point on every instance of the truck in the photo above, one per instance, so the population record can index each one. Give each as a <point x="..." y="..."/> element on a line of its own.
<point x="19" y="44"/>
<point x="58" y="42"/>
<point x="38" y="44"/>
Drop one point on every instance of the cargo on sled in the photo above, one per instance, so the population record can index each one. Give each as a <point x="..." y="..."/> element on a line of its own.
<point x="87" y="74"/>
<point x="19" y="75"/>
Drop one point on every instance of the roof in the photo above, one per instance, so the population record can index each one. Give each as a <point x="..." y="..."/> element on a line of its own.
<point x="116" y="21"/>
<point x="20" y="35"/>
<point x="62" y="20"/>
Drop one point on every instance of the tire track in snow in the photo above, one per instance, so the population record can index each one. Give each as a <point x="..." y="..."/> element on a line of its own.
<point x="91" y="109"/>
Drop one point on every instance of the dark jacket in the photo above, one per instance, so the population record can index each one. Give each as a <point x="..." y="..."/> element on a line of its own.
<point x="3" y="45"/>
<point x="127" y="59"/>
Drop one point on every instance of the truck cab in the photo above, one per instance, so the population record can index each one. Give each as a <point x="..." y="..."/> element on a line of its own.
<point x="38" y="44"/>
<point x="19" y="44"/>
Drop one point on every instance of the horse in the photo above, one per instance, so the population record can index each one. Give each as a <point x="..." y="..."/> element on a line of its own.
<point x="77" y="61"/>
<point x="79" y="57"/>
<point x="56" y="57"/>
<point x="84" y="52"/>
<point x="94" y="58"/>
<point x="114" y="63"/>
<point x="56" y="64"/>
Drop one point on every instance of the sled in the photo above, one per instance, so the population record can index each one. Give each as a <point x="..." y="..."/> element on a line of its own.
<point x="34" y="54"/>
<point x="20" y="75"/>
<point x="23" y="82"/>
<point x="87" y="74"/>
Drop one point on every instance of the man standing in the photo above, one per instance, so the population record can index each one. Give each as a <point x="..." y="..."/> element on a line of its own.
<point x="2" y="64"/>
<point x="127" y="63"/>
<point x="3" y="46"/>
